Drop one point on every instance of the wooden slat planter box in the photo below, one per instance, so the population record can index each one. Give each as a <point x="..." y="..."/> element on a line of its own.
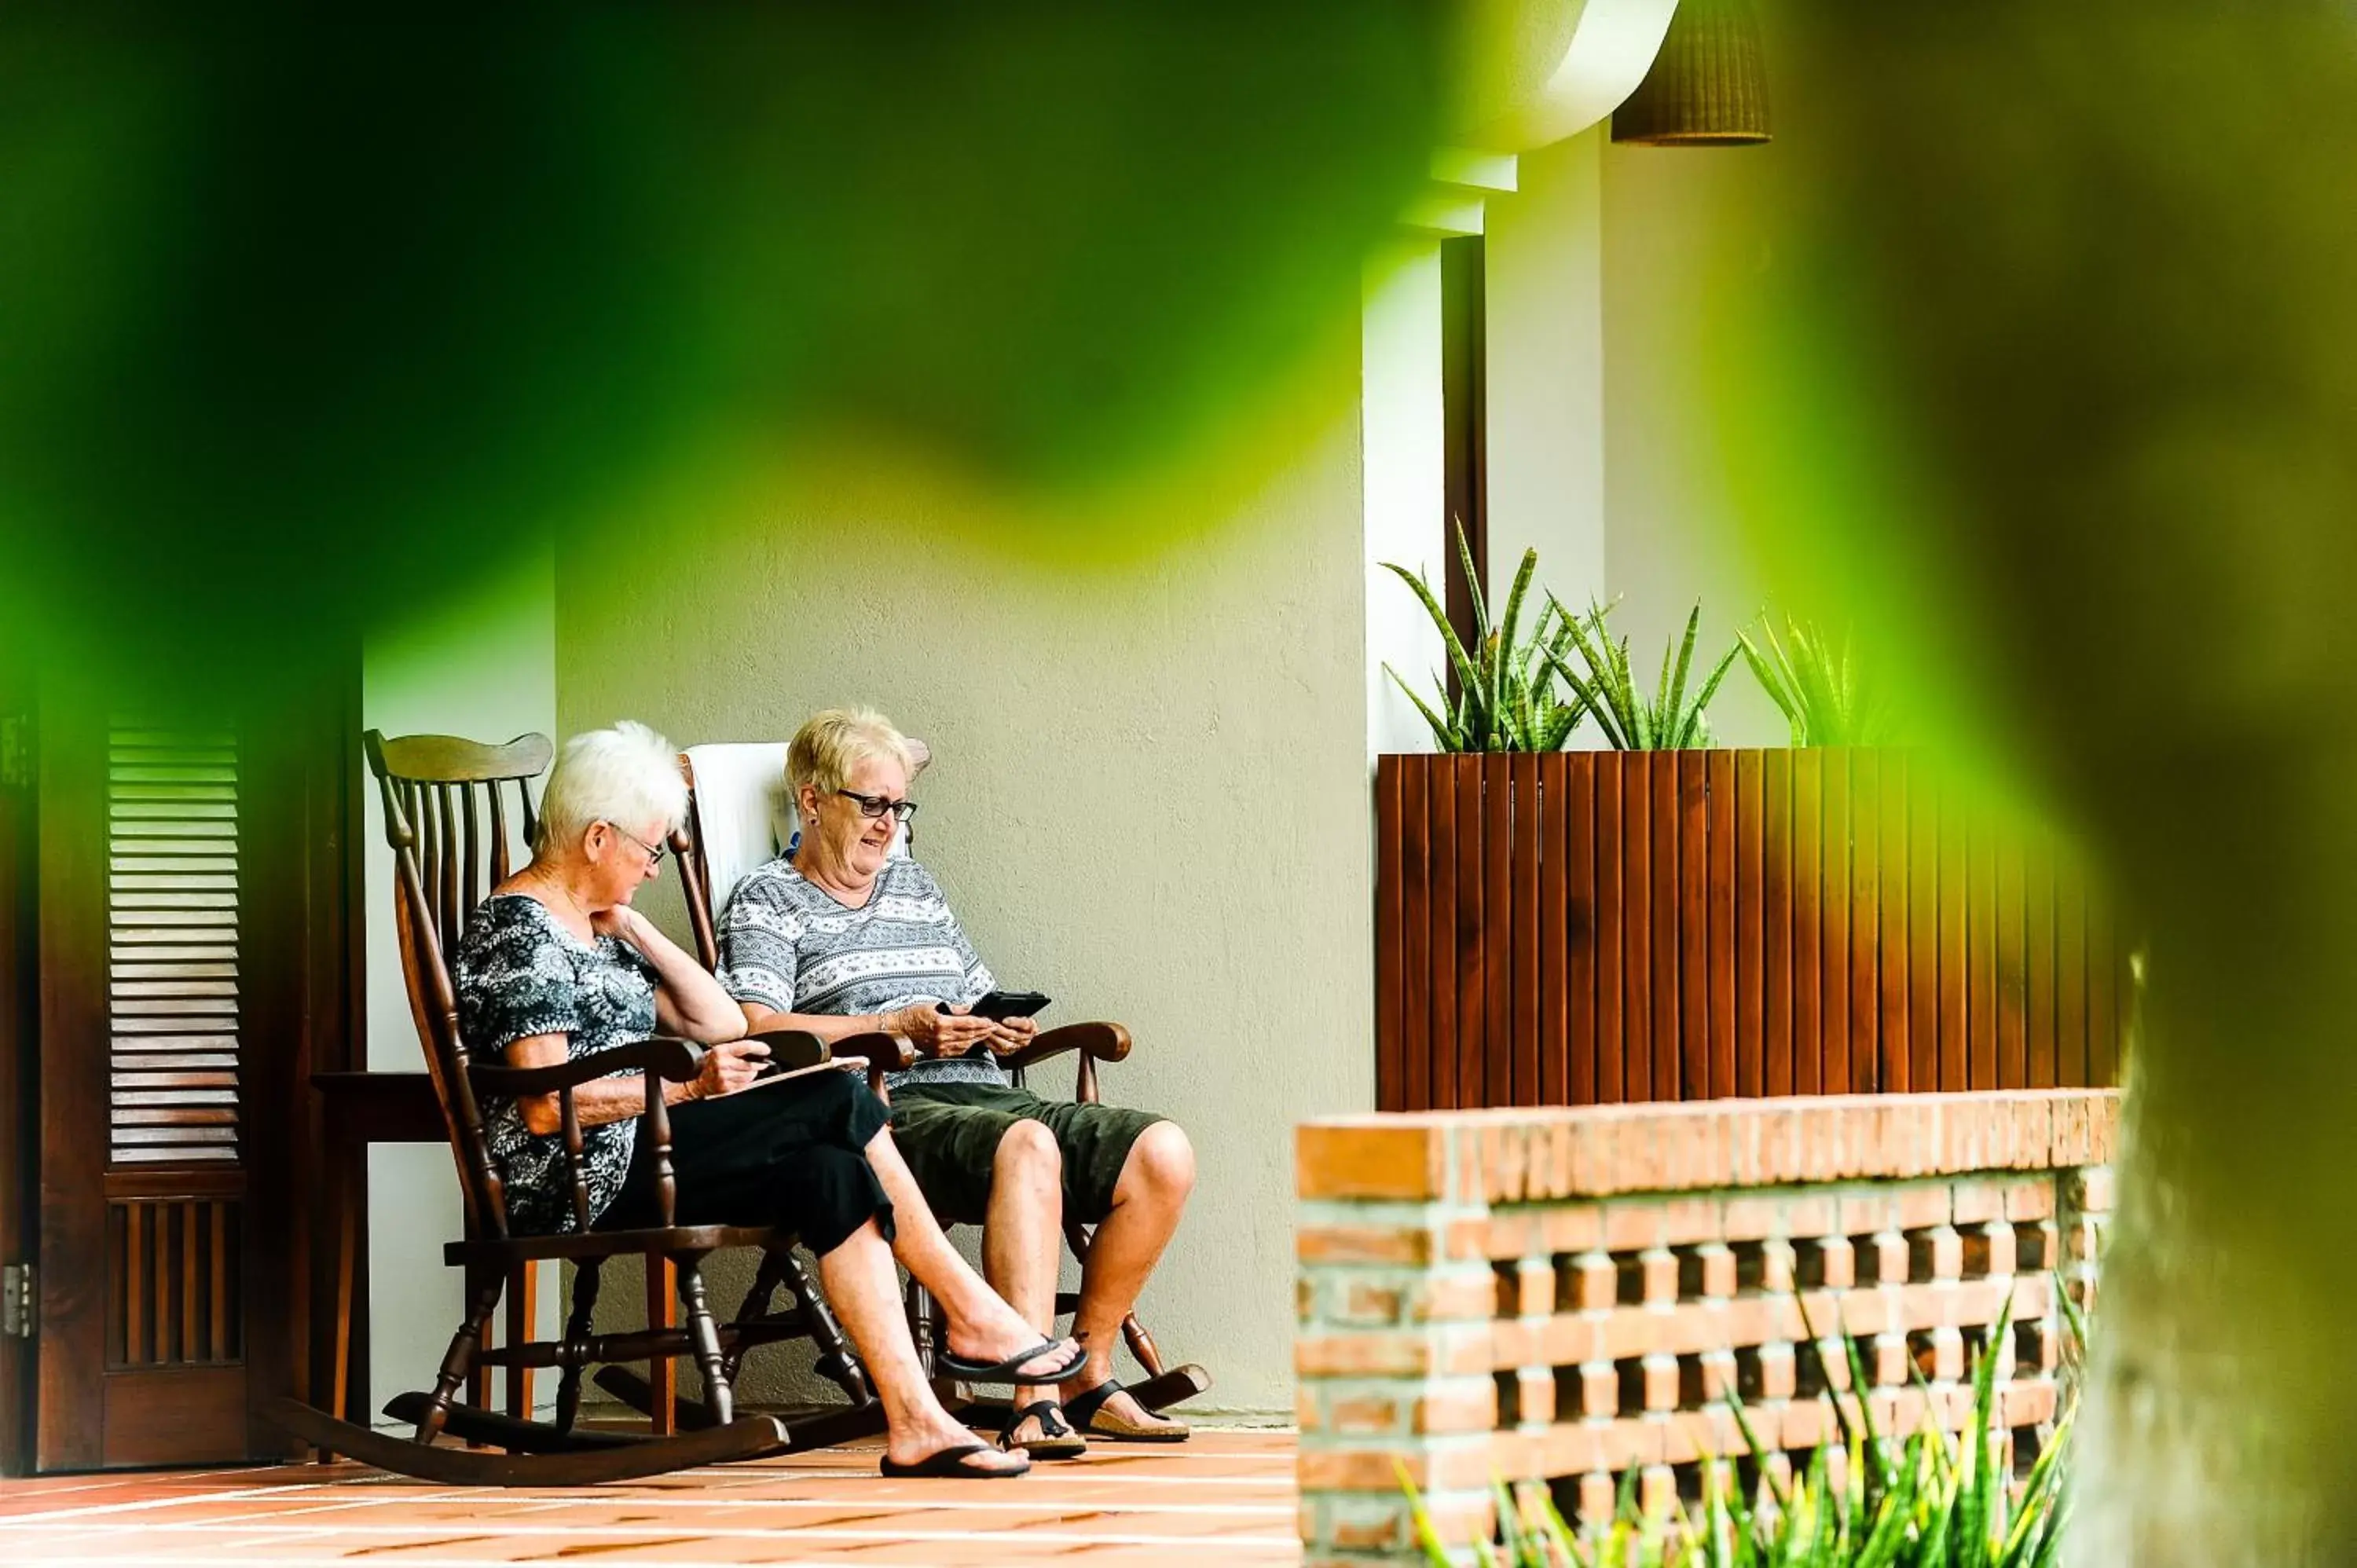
<point x="1591" y="927"/>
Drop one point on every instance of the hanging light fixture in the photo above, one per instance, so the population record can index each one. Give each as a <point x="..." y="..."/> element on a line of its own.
<point x="1707" y="87"/>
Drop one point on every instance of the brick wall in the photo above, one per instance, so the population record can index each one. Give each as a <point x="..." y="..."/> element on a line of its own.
<point x="1561" y="1295"/>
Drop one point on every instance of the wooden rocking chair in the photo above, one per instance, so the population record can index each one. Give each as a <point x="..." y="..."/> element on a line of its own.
<point x="447" y="858"/>
<point x="1089" y="1043"/>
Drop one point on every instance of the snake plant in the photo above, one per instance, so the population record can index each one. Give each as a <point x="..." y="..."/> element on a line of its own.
<point x="1819" y="685"/>
<point x="1506" y="698"/>
<point x="1607" y="687"/>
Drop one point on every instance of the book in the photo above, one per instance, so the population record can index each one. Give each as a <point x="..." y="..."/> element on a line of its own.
<point x="782" y="1075"/>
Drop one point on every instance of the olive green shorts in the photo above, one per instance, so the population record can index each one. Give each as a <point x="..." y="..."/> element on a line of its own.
<point x="949" y="1133"/>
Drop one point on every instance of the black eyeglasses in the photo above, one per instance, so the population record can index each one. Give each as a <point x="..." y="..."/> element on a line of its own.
<point x="874" y="806"/>
<point x="655" y="851"/>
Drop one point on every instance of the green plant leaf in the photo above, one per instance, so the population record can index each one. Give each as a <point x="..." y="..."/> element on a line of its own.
<point x="1604" y="688"/>
<point x="1512" y="619"/>
<point x="2074" y="1318"/>
<point x="1698" y="728"/>
<point x="1672" y="703"/>
<point x="1468" y="675"/>
<point x="1594" y="702"/>
<point x="1449" y="738"/>
<point x="1821" y="686"/>
<point x="1435" y="1550"/>
<point x="1505" y="699"/>
<point x="1941" y="1500"/>
<point x="1779" y="693"/>
<point x="1472" y="582"/>
<point x="1884" y="1469"/>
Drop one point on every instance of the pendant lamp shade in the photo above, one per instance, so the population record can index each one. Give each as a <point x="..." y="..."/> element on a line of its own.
<point x="1707" y="87"/>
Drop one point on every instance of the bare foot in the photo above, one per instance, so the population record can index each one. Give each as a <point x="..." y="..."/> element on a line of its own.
<point x="1003" y="1333"/>
<point x="911" y="1443"/>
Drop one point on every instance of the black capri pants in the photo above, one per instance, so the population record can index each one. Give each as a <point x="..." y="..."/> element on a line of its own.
<point x="790" y="1154"/>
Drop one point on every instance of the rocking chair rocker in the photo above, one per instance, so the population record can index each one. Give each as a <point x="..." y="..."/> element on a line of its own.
<point x="441" y="850"/>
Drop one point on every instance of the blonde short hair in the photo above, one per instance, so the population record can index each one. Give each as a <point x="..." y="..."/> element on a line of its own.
<point x="827" y="747"/>
<point x="626" y="775"/>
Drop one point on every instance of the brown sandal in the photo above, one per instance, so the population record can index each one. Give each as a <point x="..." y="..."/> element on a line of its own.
<point x="1087" y="1413"/>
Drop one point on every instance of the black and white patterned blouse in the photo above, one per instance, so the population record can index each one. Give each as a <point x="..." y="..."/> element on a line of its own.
<point x="786" y="944"/>
<point x="519" y="972"/>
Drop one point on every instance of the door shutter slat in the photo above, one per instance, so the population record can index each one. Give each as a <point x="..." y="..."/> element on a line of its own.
<point x="129" y="1046"/>
<point x="173" y="907"/>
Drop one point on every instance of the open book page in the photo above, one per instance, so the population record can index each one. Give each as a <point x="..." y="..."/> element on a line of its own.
<point x="846" y="1064"/>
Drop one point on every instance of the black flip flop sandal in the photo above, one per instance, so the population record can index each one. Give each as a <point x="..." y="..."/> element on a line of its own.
<point x="1081" y="1410"/>
<point x="1010" y="1370"/>
<point x="1056" y="1440"/>
<point x="949" y="1464"/>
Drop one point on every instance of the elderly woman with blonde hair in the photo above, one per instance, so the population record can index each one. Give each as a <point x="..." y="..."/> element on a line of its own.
<point x="555" y="963"/>
<point x="840" y="938"/>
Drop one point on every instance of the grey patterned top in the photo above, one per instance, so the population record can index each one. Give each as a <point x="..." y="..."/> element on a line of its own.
<point x="786" y="944"/>
<point x="519" y="972"/>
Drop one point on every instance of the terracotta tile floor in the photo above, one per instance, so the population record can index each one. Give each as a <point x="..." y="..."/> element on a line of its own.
<point x="1229" y="1493"/>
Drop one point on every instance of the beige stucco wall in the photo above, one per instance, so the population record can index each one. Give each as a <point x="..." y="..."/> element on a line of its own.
<point x="481" y="665"/>
<point x="1150" y="797"/>
<point x="1547" y="395"/>
<point x="1672" y="530"/>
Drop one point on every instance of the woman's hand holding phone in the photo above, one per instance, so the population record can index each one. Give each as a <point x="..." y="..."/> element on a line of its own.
<point x="941" y="1029"/>
<point x="1014" y="1033"/>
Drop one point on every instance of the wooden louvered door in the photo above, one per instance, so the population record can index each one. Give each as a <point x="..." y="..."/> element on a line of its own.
<point x="178" y="1003"/>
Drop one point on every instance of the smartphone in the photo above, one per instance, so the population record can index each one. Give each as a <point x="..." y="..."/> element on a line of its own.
<point x="1000" y="1005"/>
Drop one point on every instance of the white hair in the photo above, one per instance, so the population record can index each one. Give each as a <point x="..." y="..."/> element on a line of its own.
<point x="626" y="775"/>
<point x="831" y="744"/>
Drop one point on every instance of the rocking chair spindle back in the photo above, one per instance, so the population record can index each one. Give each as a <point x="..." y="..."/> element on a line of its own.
<point x="431" y="787"/>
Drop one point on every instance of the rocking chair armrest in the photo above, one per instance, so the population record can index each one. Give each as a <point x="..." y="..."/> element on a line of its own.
<point x="1098" y="1042"/>
<point x="675" y="1060"/>
<point x="793" y="1046"/>
<point x="879" y="1049"/>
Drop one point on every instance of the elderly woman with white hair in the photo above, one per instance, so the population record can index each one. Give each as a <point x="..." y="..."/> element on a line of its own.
<point x="557" y="965"/>
<point x="840" y="938"/>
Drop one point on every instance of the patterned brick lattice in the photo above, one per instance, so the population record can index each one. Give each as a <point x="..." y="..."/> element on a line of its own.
<point x="1558" y="1296"/>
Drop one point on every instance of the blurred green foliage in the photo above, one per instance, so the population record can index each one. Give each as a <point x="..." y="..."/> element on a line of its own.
<point x="309" y="310"/>
<point x="2032" y="341"/>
